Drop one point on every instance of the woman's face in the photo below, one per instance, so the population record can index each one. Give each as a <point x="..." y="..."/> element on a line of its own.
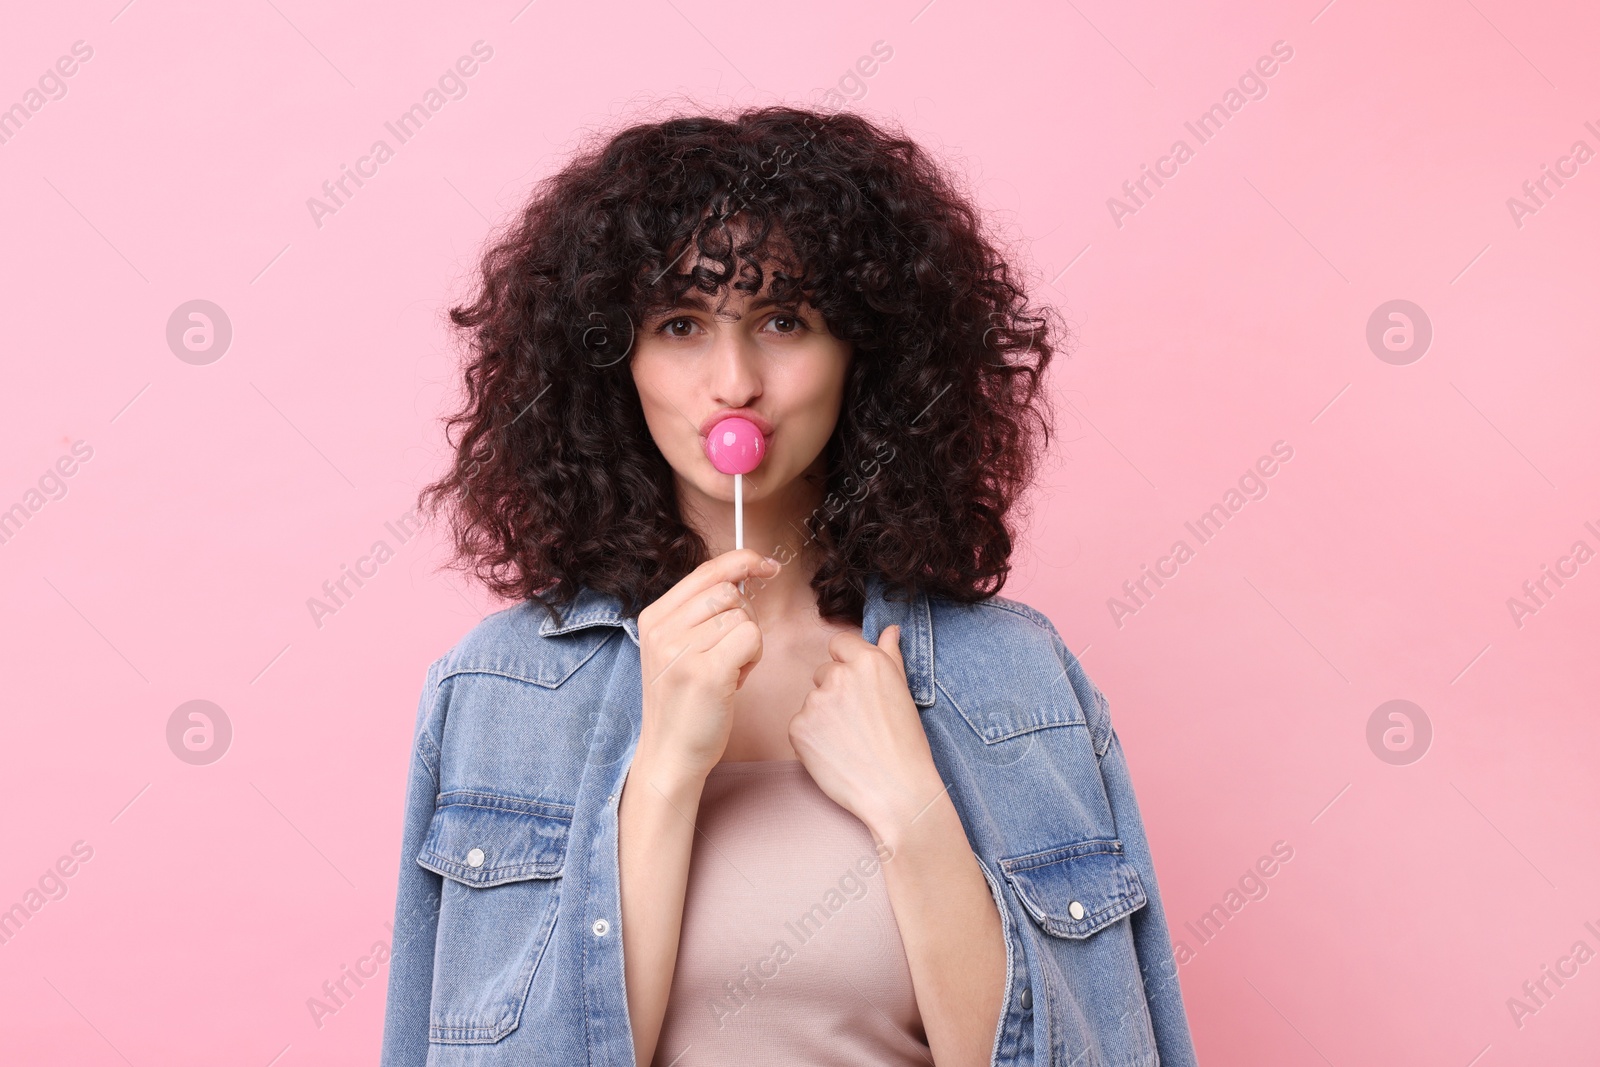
<point x="735" y="353"/>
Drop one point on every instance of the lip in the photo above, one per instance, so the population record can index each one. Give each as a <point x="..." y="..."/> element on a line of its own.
<point x="744" y="413"/>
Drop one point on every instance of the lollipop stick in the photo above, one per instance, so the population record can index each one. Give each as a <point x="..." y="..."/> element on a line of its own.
<point x="735" y="445"/>
<point x="738" y="516"/>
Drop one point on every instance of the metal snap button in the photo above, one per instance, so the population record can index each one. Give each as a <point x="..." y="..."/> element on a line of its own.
<point x="475" y="858"/>
<point x="1075" y="910"/>
<point x="1027" y="997"/>
<point x="601" y="927"/>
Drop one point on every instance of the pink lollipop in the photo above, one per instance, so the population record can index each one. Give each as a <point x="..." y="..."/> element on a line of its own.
<point x="736" y="446"/>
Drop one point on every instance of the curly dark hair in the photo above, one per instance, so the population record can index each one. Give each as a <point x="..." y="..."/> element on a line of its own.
<point x="557" y="482"/>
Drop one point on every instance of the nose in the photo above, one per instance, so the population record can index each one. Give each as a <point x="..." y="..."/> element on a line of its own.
<point x="735" y="367"/>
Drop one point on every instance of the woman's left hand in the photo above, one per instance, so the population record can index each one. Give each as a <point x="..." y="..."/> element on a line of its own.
<point x="860" y="737"/>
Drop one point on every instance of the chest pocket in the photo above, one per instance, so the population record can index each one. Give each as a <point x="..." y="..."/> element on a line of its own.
<point x="1077" y="896"/>
<point x="502" y="859"/>
<point x="1076" y="890"/>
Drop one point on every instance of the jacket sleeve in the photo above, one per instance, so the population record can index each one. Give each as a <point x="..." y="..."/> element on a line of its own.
<point x="1152" y="942"/>
<point x="416" y="912"/>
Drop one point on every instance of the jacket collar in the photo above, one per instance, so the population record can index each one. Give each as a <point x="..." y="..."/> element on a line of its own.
<point x="593" y="608"/>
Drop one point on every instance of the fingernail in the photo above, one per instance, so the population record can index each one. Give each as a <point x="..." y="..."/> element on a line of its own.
<point x="770" y="563"/>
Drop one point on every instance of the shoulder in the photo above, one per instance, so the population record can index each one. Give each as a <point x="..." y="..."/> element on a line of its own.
<point x="999" y="604"/>
<point x="509" y="644"/>
<point x="996" y="619"/>
<point x="1012" y="641"/>
<point x="510" y="709"/>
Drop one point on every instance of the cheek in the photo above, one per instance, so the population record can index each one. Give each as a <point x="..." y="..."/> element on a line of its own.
<point x="814" y="393"/>
<point x="820" y="376"/>
<point x="659" y="397"/>
<point x="646" y="370"/>
<point x="828" y="384"/>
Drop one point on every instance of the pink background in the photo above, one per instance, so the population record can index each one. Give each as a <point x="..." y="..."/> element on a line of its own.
<point x="1228" y="313"/>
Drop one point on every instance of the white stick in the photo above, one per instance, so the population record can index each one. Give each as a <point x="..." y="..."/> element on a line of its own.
<point x="738" y="516"/>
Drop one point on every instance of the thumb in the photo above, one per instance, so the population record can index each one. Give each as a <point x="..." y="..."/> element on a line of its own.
<point x="890" y="642"/>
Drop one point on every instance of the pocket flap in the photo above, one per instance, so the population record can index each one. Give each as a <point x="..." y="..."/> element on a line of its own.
<point x="486" y="840"/>
<point x="1075" y="890"/>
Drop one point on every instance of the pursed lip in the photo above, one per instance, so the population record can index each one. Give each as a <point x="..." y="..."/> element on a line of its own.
<point x="744" y="413"/>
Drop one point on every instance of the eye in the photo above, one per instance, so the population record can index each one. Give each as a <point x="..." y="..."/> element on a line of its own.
<point x="671" y="327"/>
<point x="786" y="323"/>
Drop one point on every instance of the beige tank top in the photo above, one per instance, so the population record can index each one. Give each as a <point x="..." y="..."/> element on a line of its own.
<point x="789" y="952"/>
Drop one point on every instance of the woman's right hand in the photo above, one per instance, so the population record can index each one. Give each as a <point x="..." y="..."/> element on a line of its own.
<point x="697" y="643"/>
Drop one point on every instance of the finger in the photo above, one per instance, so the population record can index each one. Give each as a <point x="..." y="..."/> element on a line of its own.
<point x="732" y="566"/>
<point x="714" y="601"/>
<point x="744" y="672"/>
<point x="736" y="644"/>
<point x="847" y="645"/>
<point x="820" y="675"/>
<point x="706" y="634"/>
<point x="890" y="643"/>
<point x="724" y="636"/>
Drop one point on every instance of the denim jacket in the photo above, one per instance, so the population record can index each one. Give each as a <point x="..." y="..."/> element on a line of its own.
<point x="507" y="944"/>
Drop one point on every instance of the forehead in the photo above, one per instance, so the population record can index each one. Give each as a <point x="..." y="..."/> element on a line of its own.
<point x="721" y="243"/>
<point x="737" y="295"/>
<point x="731" y="301"/>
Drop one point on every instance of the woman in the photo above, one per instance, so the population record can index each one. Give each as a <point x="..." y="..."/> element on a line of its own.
<point x="826" y="799"/>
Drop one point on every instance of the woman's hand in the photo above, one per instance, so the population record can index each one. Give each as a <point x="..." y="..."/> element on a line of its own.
<point x="860" y="735"/>
<point x="697" y="644"/>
